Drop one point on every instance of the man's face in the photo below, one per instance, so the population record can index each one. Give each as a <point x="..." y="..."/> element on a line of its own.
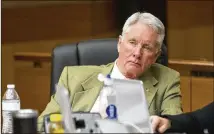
<point x="137" y="50"/>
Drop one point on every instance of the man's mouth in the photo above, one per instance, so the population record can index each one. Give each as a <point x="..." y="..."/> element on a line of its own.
<point x="135" y="64"/>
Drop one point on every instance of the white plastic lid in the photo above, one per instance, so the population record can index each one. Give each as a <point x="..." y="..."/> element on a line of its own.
<point x="101" y="77"/>
<point x="10" y="85"/>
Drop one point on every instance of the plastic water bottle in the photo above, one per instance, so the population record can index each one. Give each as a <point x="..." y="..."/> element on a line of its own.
<point x="108" y="98"/>
<point x="10" y="103"/>
<point x="111" y="109"/>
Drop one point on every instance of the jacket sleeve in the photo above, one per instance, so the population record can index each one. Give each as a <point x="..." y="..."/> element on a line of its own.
<point x="53" y="106"/>
<point x="184" y="123"/>
<point x="193" y="122"/>
<point x="171" y="103"/>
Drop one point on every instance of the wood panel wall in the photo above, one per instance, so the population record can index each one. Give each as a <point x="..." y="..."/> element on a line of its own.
<point x="39" y="28"/>
<point x="203" y="90"/>
<point x="7" y="73"/>
<point x="190" y="29"/>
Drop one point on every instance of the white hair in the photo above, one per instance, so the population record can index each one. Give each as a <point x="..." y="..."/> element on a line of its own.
<point x="147" y="19"/>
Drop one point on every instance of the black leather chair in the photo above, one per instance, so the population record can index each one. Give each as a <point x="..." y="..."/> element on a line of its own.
<point x="91" y="52"/>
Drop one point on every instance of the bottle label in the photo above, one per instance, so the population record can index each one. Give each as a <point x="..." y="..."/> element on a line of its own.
<point x="111" y="111"/>
<point x="11" y="105"/>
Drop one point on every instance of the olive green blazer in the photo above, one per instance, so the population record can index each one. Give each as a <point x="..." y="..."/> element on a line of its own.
<point x="161" y="84"/>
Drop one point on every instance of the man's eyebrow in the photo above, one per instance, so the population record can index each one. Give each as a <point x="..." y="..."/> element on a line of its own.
<point x="132" y="39"/>
<point x="148" y="43"/>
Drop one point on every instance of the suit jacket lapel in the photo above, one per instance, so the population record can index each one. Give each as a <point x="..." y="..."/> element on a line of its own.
<point x="84" y="101"/>
<point x="149" y="83"/>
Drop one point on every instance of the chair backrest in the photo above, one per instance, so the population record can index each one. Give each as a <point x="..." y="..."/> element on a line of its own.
<point x="91" y="52"/>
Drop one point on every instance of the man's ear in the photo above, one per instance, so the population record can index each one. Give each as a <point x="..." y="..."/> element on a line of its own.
<point x="119" y="43"/>
<point x="158" y="53"/>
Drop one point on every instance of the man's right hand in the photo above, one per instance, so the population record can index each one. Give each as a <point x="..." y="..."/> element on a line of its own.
<point x="160" y="124"/>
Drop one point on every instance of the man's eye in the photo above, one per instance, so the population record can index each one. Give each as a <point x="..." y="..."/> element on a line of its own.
<point x="133" y="43"/>
<point x="147" y="47"/>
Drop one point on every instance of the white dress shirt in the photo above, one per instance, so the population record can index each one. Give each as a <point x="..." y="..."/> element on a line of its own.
<point x="101" y="102"/>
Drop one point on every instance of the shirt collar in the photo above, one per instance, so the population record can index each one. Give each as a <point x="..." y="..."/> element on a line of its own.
<point x="116" y="72"/>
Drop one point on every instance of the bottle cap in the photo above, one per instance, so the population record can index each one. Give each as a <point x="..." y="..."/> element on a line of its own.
<point x="25" y="113"/>
<point x="106" y="79"/>
<point x="55" y="117"/>
<point x="108" y="76"/>
<point x="10" y="85"/>
<point x="101" y="77"/>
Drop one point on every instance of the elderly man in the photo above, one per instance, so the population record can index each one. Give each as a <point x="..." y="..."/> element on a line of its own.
<point x="138" y="48"/>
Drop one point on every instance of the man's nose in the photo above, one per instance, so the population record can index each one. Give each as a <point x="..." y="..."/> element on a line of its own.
<point x="137" y="52"/>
